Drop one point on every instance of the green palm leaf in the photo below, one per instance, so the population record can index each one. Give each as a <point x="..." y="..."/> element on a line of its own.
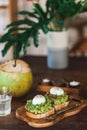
<point x="27" y="13"/>
<point x="21" y="22"/>
<point x="6" y="48"/>
<point x="57" y="11"/>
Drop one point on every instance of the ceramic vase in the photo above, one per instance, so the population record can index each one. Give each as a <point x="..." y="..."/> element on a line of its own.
<point x="57" y="44"/>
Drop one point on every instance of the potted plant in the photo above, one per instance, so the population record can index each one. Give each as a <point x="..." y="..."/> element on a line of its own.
<point x="58" y="17"/>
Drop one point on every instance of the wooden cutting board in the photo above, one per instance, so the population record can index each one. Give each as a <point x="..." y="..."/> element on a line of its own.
<point x="50" y="121"/>
<point x="46" y="122"/>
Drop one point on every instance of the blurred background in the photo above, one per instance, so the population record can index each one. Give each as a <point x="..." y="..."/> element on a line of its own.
<point x="77" y="33"/>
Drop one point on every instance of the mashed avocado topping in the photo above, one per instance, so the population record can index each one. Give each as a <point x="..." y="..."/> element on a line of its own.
<point x="50" y="101"/>
<point x="39" y="108"/>
<point x="60" y="99"/>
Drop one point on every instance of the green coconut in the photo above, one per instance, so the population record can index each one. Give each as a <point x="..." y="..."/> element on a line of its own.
<point x="18" y="78"/>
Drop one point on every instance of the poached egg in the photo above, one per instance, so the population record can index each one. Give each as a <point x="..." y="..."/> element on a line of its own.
<point x="38" y="99"/>
<point x="56" y="91"/>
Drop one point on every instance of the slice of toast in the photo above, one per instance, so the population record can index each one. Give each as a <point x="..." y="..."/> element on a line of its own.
<point x="61" y="106"/>
<point x="49" y="113"/>
<point x="39" y="116"/>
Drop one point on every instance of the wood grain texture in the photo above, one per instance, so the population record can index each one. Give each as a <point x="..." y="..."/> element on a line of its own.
<point x="44" y="88"/>
<point x="77" y="70"/>
<point x="49" y="121"/>
<point x="42" y="123"/>
<point x="12" y="10"/>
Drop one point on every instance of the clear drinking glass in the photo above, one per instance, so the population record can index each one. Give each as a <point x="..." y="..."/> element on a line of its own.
<point x="5" y="100"/>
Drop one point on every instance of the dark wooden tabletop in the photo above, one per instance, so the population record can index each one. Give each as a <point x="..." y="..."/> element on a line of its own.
<point x="77" y="70"/>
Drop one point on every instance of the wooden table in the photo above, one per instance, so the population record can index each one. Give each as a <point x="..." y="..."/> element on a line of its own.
<point x="77" y="70"/>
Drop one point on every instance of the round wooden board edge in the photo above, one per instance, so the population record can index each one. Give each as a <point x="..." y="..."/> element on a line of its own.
<point x="21" y="115"/>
